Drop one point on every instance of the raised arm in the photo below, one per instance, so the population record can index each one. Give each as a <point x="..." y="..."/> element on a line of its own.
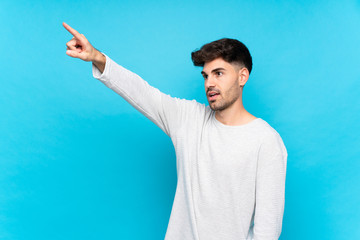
<point x="168" y="113"/>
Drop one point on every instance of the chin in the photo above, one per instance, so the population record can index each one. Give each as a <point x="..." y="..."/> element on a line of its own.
<point x="214" y="108"/>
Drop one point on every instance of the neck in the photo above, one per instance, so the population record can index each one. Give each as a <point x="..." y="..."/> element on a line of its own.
<point x="234" y="115"/>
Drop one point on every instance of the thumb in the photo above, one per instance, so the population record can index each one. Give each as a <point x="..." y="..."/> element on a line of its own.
<point x="73" y="53"/>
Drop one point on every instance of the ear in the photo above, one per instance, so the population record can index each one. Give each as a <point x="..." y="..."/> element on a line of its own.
<point x="243" y="76"/>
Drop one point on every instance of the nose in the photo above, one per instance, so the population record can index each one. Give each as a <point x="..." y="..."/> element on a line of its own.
<point x="210" y="82"/>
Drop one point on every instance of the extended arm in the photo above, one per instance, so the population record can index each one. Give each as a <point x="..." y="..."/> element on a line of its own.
<point x="165" y="111"/>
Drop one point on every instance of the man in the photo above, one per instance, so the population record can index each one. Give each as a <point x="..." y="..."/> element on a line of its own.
<point x="231" y="165"/>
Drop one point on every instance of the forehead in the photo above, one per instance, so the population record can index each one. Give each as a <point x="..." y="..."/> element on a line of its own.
<point x="217" y="63"/>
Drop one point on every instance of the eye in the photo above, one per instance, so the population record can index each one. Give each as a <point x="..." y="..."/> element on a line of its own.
<point x="219" y="73"/>
<point x="205" y="76"/>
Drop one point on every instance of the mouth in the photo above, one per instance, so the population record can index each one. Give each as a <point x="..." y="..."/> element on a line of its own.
<point x="213" y="96"/>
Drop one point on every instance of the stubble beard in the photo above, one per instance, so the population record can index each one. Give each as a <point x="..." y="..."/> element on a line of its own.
<point x="222" y="104"/>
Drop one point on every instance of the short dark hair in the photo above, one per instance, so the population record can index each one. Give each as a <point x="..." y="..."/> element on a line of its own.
<point x="231" y="50"/>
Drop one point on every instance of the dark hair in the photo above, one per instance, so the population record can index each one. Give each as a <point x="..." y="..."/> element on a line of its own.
<point x="231" y="50"/>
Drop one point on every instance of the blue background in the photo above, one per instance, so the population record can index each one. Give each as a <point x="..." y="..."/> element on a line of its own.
<point x="78" y="162"/>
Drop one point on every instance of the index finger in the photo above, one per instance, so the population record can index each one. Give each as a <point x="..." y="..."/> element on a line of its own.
<point x="72" y="31"/>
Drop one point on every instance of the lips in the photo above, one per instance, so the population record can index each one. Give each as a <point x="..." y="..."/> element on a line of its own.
<point x="213" y="95"/>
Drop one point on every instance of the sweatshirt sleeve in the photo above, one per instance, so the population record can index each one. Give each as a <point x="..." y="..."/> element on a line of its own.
<point x="165" y="111"/>
<point x="270" y="188"/>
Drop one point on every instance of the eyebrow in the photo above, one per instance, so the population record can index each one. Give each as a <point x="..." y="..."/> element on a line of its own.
<point x="214" y="70"/>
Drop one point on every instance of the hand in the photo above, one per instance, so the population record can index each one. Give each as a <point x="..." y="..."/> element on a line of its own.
<point x="79" y="46"/>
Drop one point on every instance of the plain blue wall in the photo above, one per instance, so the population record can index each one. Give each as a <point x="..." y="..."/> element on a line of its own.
<point x="78" y="162"/>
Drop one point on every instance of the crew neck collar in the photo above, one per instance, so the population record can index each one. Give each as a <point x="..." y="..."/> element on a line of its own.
<point x="220" y="124"/>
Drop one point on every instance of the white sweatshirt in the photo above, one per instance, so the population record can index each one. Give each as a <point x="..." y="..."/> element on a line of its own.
<point x="231" y="179"/>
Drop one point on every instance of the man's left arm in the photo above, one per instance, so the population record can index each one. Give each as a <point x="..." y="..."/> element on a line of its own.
<point x="270" y="188"/>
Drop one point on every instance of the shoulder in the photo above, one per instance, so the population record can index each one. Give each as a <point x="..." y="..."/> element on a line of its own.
<point x="266" y="131"/>
<point x="270" y="137"/>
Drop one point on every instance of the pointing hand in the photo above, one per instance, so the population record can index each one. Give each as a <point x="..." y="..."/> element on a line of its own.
<point x="79" y="46"/>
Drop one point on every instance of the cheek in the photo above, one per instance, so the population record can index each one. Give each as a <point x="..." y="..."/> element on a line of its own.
<point x="232" y="90"/>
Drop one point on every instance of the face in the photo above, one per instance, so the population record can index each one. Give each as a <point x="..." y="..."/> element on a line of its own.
<point x="222" y="83"/>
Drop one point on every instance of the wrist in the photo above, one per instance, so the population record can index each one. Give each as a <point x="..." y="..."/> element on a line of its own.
<point x="98" y="57"/>
<point x="99" y="60"/>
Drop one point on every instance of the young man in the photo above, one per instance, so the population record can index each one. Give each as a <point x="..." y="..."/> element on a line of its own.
<point x="231" y="165"/>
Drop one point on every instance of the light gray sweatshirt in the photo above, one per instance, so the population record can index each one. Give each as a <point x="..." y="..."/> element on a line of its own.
<point x="231" y="179"/>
